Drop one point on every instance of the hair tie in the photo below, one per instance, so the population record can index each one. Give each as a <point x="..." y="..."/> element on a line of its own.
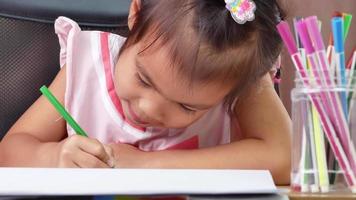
<point x="241" y="10"/>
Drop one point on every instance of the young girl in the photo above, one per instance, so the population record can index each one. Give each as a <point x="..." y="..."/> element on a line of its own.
<point x="188" y="88"/>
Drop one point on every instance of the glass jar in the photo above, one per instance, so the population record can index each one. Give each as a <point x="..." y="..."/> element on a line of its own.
<point x="324" y="134"/>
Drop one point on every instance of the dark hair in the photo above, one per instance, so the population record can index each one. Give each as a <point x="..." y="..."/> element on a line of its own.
<point x="205" y="42"/>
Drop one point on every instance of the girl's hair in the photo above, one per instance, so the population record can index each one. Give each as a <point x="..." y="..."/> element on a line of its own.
<point x="206" y="44"/>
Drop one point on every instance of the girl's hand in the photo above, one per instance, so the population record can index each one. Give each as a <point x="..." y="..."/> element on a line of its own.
<point x="78" y="151"/>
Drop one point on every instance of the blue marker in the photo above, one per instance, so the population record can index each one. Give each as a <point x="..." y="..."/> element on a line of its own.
<point x="337" y="28"/>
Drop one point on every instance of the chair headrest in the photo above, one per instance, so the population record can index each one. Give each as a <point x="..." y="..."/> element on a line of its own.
<point x="104" y="13"/>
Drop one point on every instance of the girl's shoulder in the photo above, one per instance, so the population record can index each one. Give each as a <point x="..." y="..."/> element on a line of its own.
<point x="75" y="41"/>
<point x="89" y="59"/>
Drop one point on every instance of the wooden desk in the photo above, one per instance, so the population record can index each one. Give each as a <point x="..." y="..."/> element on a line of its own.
<point x="318" y="196"/>
<point x="331" y="196"/>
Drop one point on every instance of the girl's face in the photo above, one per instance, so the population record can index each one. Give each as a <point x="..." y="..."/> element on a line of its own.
<point x="154" y="94"/>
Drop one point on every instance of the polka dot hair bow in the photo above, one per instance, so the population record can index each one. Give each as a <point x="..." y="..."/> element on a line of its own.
<point x="241" y="10"/>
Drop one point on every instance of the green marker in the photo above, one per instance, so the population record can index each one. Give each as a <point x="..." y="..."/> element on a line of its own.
<point x="52" y="99"/>
<point x="347" y="23"/>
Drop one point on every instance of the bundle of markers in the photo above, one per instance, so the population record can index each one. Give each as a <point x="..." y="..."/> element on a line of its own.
<point x="330" y="89"/>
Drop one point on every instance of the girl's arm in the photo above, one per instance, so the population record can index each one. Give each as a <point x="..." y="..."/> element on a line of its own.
<point x="38" y="130"/>
<point x="265" y="142"/>
<point x="39" y="138"/>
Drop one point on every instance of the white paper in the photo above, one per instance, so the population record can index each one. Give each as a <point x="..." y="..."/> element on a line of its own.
<point x="55" y="181"/>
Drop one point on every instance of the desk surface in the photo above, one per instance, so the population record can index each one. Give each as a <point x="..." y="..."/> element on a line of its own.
<point x="283" y="196"/>
<point x="318" y="196"/>
<point x="334" y="196"/>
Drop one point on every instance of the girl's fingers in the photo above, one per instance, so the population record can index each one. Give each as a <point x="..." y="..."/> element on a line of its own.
<point x="93" y="147"/>
<point x="110" y="152"/>
<point x="79" y="151"/>
<point x="86" y="160"/>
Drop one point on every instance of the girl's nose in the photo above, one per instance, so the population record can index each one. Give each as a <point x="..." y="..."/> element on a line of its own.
<point x="152" y="109"/>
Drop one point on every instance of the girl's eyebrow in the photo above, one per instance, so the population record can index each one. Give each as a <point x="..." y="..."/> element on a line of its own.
<point x="143" y="72"/>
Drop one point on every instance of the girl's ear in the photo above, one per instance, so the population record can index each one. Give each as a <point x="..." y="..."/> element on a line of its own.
<point x="134" y="8"/>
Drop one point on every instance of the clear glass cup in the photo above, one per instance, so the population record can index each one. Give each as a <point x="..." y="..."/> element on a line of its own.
<point x="324" y="134"/>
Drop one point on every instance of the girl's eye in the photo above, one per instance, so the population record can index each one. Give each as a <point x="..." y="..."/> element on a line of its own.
<point x="147" y="85"/>
<point x="186" y="109"/>
<point x="141" y="81"/>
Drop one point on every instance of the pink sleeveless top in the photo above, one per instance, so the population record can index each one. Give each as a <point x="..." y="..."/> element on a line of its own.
<point x="90" y="97"/>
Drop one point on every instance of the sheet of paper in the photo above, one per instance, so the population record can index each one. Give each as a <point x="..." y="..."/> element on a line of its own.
<point x="55" y="181"/>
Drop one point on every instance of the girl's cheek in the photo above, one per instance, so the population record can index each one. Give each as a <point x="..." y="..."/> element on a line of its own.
<point x="127" y="88"/>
